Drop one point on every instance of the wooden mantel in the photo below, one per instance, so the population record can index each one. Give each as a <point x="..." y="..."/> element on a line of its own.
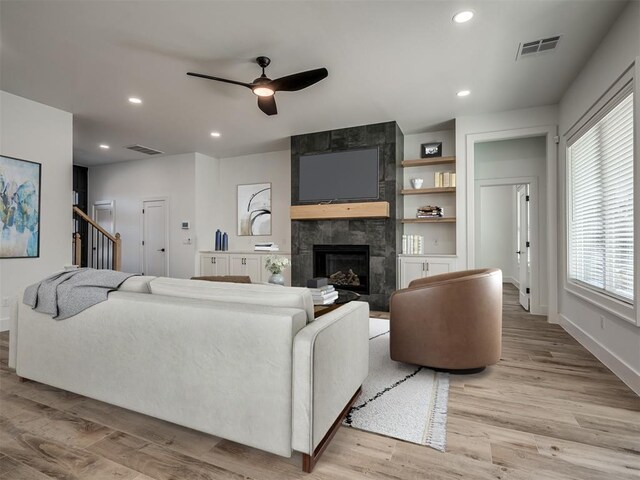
<point x="333" y="211"/>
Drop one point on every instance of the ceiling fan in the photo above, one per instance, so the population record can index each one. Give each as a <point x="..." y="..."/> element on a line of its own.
<point x="265" y="88"/>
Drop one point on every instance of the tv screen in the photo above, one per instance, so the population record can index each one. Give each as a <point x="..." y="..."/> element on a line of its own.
<point x="348" y="175"/>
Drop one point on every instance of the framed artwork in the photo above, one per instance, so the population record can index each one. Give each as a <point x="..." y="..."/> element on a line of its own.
<point x="19" y="208"/>
<point x="433" y="149"/>
<point x="254" y="209"/>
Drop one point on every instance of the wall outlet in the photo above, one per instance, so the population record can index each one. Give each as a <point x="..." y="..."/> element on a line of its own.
<point x="602" y="322"/>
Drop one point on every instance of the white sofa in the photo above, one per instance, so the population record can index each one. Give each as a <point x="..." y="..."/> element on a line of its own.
<point x="243" y="362"/>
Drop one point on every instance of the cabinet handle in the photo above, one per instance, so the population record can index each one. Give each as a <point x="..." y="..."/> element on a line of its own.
<point x="423" y="266"/>
<point x="426" y="266"/>
<point x="214" y="260"/>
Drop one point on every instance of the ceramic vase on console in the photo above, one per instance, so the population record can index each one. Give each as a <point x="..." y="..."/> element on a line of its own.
<point x="277" y="279"/>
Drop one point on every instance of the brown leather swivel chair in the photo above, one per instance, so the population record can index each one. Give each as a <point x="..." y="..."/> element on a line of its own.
<point x="449" y="322"/>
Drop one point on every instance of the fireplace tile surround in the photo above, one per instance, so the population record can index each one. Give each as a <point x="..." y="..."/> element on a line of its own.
<point x="382" y="235"/>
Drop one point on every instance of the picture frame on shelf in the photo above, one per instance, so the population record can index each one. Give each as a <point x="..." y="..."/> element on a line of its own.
<point x="432" y="149"/>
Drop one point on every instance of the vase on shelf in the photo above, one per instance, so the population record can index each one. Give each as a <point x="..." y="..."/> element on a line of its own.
<point x="277" y="279"/>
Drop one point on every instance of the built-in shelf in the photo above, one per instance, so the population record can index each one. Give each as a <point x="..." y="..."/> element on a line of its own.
<point x="423" y="191"/>
<point x="421" y="162"/>
<point x="340" y="211"/>
<point x="430" y="220"/>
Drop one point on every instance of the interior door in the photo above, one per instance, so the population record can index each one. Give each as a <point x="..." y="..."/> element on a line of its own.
<point x="523" y="253"/>
<point x="154" y="238"/>
<point x="103" y="215"/>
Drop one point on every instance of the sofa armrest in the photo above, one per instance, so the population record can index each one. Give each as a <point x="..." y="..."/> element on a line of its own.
<point x="330" y="362"/>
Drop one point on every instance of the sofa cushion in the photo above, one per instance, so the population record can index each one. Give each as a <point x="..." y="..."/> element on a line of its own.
<point x="137" y="284"/>
<point x="248" y="294"/>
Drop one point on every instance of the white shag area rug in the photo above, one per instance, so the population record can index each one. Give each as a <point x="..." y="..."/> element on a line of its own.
<point x="398" y="400"/>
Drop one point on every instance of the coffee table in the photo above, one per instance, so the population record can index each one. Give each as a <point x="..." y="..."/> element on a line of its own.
<point x="344" y="296"/>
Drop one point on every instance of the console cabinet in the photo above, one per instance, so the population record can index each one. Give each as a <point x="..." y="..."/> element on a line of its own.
<point x="412" y="267"/>
<point x="239" y="263"/>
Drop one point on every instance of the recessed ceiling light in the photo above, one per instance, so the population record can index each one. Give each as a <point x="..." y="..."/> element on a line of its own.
<point x="463" y="93"/>
<point x="463" y="16"/>
<point x="134" y="100"/>
<point x="215" y="134"/>
<point x="104" y="147"/>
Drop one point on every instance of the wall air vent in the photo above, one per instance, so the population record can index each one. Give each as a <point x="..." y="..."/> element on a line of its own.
<point x="143" y="149"/>
<point x="536" y="47"/>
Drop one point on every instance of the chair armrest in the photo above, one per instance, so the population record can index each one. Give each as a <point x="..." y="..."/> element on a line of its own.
<point x="330" y="362"/>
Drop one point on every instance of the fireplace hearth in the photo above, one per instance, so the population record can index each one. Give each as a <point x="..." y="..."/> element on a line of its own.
<point x="346" y="266"/>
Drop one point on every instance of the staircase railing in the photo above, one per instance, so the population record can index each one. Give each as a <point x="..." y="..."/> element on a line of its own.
<point x="102" y="249"/>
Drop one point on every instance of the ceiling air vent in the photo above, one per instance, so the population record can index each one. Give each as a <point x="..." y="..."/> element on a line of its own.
<point x="530" y="49"/>
<point x="143" y="149"/>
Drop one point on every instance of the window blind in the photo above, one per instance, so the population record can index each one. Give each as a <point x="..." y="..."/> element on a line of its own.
<point x="601" y="204"/>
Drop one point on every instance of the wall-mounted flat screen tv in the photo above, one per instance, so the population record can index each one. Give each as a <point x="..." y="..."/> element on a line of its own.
<point x="347" y="175"/>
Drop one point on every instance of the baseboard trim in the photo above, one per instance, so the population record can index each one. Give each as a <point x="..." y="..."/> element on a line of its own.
<point x="511" y="280"/>
<point x="5" y="324"/>
<point x="619" y="367"/>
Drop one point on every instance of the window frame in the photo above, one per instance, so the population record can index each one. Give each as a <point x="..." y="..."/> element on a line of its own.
<point x="607" y="301"/>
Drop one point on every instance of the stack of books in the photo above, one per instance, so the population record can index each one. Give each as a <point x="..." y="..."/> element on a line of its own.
<point x="266" y="247"/>
<point x="430" y="211"/>
<point x="324" y="295"/>
<point x="444" y="179"/>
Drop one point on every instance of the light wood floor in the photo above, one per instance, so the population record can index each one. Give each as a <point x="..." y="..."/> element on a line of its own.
<point x="548" y="410"/>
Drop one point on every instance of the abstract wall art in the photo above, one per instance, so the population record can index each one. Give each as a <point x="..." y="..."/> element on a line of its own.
<point x="254" y="209"/>
<point x="19" y="208"/>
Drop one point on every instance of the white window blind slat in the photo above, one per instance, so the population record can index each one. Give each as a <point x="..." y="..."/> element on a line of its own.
<point x="601" y="246"/>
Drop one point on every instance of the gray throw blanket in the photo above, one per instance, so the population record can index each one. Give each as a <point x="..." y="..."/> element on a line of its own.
<point x="66" y="294"/>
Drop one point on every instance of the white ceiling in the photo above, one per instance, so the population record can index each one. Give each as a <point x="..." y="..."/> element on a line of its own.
<point x="387" y="60"/>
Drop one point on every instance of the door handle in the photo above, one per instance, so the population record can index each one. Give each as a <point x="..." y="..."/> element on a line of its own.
<point x="519" y="252"/>
<point x="161" y="250"/>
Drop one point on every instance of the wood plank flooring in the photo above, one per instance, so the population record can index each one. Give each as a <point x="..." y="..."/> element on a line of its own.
<point x="548" y="410"/>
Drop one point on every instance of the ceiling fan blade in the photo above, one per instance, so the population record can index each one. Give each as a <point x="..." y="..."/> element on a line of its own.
<point x="268" y="105"/>
<point x="298" y="81"/>
<point x="218" y="79"/>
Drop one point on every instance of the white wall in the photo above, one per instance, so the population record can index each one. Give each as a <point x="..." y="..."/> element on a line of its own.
<point x="520" y="157"/>
<point x="274" y="167"/>
<point x="36" y="132"/>
<point x="129" y="183"/>
<point x="495" y="248"/>
<point x="438" y="238"/>
<point x="614" y="341"/>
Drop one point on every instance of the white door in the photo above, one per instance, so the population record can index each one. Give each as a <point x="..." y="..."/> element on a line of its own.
<point x="103" y="215"/>
<point x="523" y="253"/>
<point x="154" y="238"/>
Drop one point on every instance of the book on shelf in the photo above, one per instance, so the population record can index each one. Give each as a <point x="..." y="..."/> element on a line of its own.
<point x="266" y="247"/>
<point x="444" y="179"/>
<point x="412" y="244"/>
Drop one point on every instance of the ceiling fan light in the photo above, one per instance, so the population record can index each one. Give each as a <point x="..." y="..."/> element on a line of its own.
<point x="263" y="91"/>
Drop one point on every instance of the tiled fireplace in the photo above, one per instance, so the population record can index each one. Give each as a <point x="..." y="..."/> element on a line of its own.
<point x="381" y="236"/>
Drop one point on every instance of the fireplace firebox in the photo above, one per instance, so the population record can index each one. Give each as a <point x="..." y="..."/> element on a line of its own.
<point x="346" y="266"/>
